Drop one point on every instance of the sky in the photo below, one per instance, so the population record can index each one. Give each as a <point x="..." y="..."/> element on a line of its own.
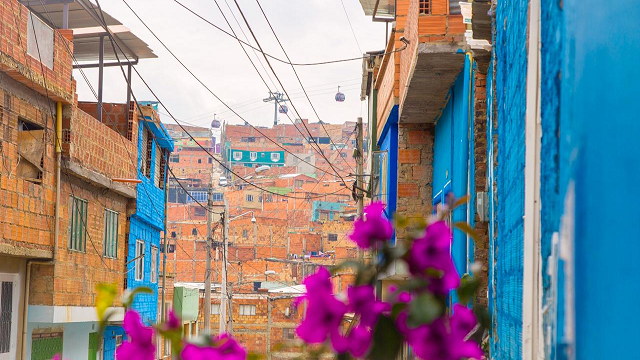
<point x="310" y="31"/>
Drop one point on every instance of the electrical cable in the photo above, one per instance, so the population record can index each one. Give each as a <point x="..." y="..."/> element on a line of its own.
<point x="283" y="88"/>
<point x="114" y="44"/>
<point x="278" y="59"/>
<point x="210" y="91"/>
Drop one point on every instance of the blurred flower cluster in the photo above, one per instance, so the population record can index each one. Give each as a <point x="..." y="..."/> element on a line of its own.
<point x="368" y="321"/>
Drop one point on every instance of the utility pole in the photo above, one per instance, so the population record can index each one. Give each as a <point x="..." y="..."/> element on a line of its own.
<point x="207" y="277"/>
<point x="276" y="97"/>
<point x="359" y="172"/>
<point x="223" y="285"/>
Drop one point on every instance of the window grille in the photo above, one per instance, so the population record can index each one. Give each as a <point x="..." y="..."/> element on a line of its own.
<point x="424" y="7"/>
<point x="139" y="260"/>
<point x="6" y="316"/>
<point x="333" y="237"/>
<point x="110" y="233"/>
<point x="78" y="224"/>
<point x="161" y="168"/>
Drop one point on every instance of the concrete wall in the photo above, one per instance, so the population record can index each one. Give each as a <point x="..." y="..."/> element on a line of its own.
<point x="75" y="338"/>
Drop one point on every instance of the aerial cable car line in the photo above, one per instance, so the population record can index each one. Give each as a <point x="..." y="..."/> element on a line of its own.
<point x="114" y="44"/>
<point x="278" y="59"/>
<point x="318" y="150"/>
<point x="283" y="88"/>
<point x="210" y="91"/>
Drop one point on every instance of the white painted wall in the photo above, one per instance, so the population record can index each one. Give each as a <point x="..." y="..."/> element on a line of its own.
<point x="14" y="265"/>
<point x="75" y="338"/>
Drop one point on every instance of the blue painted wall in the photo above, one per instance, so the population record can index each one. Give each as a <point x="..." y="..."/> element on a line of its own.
<point x="389" y="142"/>
<point x="511" y="67"/>
<point x="599" y="135"/>
<point x="334" y="208"/>
<point x="451" y="157"/>
<point x="110" y="333"/>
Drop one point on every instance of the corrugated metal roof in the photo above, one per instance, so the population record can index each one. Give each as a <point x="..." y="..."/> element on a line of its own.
<point x="87" y="30"/>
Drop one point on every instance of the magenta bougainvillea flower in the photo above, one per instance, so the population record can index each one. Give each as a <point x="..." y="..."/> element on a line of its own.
<point x="372" y="227"/>
<point x="442" y="342"/>
<point x="324" y="312"/>
<point x="140" y="341"/>
<point x="432" y="252"/>
<point x="173" y="322"/>
<point x="225" y="348"/>
<point x="362" y="301"/>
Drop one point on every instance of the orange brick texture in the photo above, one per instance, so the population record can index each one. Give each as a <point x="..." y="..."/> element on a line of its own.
<point x="27" y="69"/>
<point x="415" y="172"/>
<point x="481" y="252"/>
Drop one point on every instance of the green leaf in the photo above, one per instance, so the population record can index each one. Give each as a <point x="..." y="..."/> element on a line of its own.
<point x="467" y="289"/>
<point x="467" y="229"/>
<point x="387" y="341"/>
<point x="397" y="308"/>
<point x="460" y="201"/>
<point x="106" y="294"/>
<point x="424" y="309"/>
<point x="129" y="295"/>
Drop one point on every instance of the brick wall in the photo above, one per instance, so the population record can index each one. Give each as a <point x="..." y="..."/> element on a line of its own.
<point x="27" y="69"/>
<point x="26" y="208"/>
<point x="415" y="170"/>
<point x="97" y="146"/>
<point x="481" y="250"/>
<point x="73" y="281"/>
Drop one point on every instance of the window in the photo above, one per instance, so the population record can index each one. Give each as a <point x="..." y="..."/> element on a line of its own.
<point x="253" y="156"/>
<point x="110" y="233"/>
<point x="275" y="157"/>
<point x="156" y="165"/>
<point x="174" y="158"/>
<point x="268" y="198"/>
<point x="118" y="341"/>
<point x="161" y="171"/>
<point x="154" y="264"/>
<point x="343" y="154"/>
<point x="218" y="197"/>
<point x="8" y="317"/>
<point x="247" y="310"/>
<point x="215" y="309"/>
<point x="288" y="333"/>
<point x="299" y="183"/>
<point x="249" y="198"/>
<point x="78" y="224"/>
<point x="333" y="237"/>
<point x="139" y="264"/>
<point x="31" y="144"/>
<point x="245" y="233"/>
<point x="200" y="211"/>
<point x="210" y="160"/>
<point x="424" y="7"/>
<point x="199" y="161"/>
<point x="194" y="231"/>
<point x="237" y="155"/>
<point x="147" y="142"/>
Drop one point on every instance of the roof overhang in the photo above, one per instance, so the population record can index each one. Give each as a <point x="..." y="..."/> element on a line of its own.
<point x="85" y="19"/>
<point x="380" y="10"/>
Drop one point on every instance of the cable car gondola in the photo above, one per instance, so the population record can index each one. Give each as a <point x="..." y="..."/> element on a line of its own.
<point x="215" y="124"/>
<point x="339" y="96"/>
<point x="283" y="109"/>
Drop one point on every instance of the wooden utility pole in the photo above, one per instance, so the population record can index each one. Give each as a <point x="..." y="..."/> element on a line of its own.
<point x="207" y="276"/>
<point x="359" y="173"/>
<point x="225" y="258"/>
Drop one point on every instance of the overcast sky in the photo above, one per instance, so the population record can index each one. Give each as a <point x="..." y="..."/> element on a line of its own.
<point x="310" y="30"/>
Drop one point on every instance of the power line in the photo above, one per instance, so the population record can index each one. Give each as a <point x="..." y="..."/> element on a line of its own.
<point x="283" y="88"/>
<point x="296" y="73"/>
<point x="208" y="89"/>
<point x="114" y="44"/>
<point x="273" y="57"/>
<point x="350" y="26"/>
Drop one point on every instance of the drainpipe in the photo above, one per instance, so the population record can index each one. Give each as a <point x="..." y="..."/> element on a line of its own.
<point x="56" y="233"/>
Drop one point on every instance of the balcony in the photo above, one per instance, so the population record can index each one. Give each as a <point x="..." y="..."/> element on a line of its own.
<point x="35" y="54"/>
<point x="97" y="152"/>
<point x="418" y="78"/>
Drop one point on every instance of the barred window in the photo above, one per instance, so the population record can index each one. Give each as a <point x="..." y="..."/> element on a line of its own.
<point x="333" y="237"/>
<point x="161" y="168"/>
<point x="110" y="233"/>
<point x="78" y="224"/>
<point x="147" y="142"/>
<point x="425" y="7"/>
